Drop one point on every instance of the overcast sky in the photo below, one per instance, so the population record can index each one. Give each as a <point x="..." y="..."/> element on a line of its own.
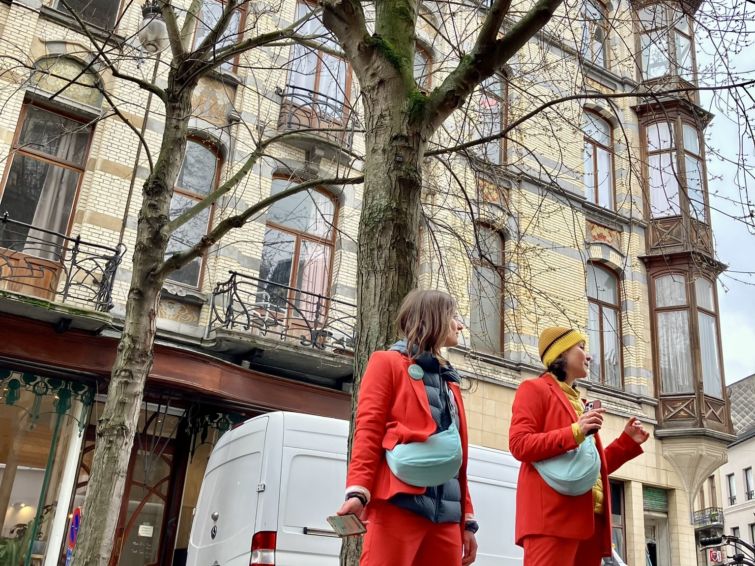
<point x="735" y="244"/>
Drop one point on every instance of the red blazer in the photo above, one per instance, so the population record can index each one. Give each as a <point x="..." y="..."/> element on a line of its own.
<point x="393" y="409"/>
<point x="541" y="428"/>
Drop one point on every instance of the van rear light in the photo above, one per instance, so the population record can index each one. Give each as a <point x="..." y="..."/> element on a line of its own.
<point x="263" y="548"/>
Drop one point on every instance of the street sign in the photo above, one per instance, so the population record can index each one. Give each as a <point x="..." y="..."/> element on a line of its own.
<point x="715" y="556"/>
<point x="73" y="531"/>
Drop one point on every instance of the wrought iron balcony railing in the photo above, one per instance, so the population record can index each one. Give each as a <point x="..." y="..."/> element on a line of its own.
<point x="265" y="308"/>
<point x="708" y="517"/>
<point x="51" y="266"/>
<point x="304" y="109"/>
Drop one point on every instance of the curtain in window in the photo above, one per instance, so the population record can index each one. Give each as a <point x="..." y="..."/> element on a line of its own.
<point x="709" y="355"/>
<point x="674" y="354"/>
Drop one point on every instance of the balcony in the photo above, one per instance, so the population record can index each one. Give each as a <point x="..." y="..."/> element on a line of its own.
<point x="708" y="517"/>
<point x="273" y="326"/>
<point x="331" y="119"/>
<point x="51" y="272"/>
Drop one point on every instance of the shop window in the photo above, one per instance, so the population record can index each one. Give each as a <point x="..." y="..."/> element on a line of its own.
<point x="493" y="94"/>
<point x="486" y="292"/>
<point x="40" y="440"/>
<point x="209" y="16"/>
<point x="675" y="167"/>
<point x="47" y="163"/>
<point x="99" y="13"/>
<point x="665" y="43"/>
<point x="297" y="253"/>
<point x="598" y="160"/>
<point x="594" y="41"/>
<point x="604" y="326"/>
<point x="197" y="178"/>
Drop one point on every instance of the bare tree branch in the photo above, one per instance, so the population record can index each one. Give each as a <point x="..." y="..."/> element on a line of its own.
<point x="177" y="261"/>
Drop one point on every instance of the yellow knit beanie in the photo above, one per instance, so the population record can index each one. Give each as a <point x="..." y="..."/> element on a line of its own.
<point x="556" y="340"/>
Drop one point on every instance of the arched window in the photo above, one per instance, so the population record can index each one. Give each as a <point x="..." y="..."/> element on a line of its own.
<point x="598" y="160"/>
<point x="198" y="178"/>
<point x="486" y="292"/>
<point x="604" y="325"/>
<point x="423" y="64"/>
<point x="319" y="80"/>
<point x="672" y="334"/>
<point x="46" y="165"/>
<point x="297" y="251"/>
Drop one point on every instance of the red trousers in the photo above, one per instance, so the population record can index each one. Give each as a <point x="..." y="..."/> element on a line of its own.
<point x="397" y="537"/>
<point x="551" y="551"/>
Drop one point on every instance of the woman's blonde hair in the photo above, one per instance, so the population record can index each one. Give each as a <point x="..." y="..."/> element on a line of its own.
<point x="424" y="320"/>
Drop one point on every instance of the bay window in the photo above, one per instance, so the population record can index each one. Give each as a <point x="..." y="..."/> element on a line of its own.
<point x="673" y="334"/>
<point x="676" y="172"/>
<point x="666" y="45"/>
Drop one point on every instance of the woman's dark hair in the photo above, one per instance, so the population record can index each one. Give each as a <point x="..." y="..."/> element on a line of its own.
<point x="558" y="368"/>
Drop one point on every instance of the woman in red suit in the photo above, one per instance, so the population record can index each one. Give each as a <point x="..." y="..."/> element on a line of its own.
<point x="548" y="420"/>
<point x="408" y="394"/>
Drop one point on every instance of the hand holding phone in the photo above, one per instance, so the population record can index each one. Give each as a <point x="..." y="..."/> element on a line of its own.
<point x="347" y="525"/>
<point x="592" y="419"/>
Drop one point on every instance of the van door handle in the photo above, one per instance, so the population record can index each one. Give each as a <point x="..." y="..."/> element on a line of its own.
<point x="319" y="532"/>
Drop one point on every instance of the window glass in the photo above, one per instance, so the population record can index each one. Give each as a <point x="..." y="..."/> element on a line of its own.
<point x="491" y="113"/>
<point x="601" y="284"/>
<point x="663" y="184"/>
<point x="209" y="16"/>
<point x="185" y="237"/>
<point x="670" y="291"/>
<point x="691" y="139"/>
<point x="198" y="170"/>
<point x="704" y="294"/>
<point x="675" y="358"/>
<point x="594" y="32"/>
<point x="486" y="291"/>
<point x="100" y="13"/>
<point x="660" y="135"/>
<point x="421" y="67"/>
<point x="40" y="190"/>
<point x="309" y="211"/>
<point x="709" y="354"/>
<point x="276" y="267"/>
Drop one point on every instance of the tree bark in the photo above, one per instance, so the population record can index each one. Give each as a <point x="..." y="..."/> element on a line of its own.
<point x="117" y="425"/>
<point x="388" y="245"/>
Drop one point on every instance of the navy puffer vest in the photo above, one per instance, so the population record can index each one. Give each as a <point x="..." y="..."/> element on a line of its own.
<point x="442" y="503"/>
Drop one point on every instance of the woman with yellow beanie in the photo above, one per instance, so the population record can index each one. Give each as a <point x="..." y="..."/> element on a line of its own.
<point x="560" y="520"/>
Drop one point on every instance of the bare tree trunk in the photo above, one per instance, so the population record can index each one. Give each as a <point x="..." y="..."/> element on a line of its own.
<point x="388" y="252"/>
<point x="117" y="425"/>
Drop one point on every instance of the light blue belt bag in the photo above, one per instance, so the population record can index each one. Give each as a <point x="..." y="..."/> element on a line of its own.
<point x="429" y="463"/>
<point x="573" y="473"/>
<point x="434" y="461"/>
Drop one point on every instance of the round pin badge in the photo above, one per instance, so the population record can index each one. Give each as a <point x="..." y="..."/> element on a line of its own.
<point x="416" y="372"/>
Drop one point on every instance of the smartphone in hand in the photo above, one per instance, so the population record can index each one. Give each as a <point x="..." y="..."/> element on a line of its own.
<point x="347" y="525"/>
<point x="589" y="406"/>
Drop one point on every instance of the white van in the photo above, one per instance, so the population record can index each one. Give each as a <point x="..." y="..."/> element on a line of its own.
<point x="271" y="482"/>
